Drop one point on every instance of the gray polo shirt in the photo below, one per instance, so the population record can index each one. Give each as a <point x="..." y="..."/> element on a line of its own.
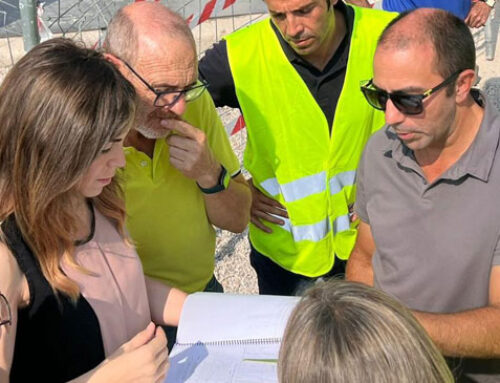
<point x="435" y="243"/>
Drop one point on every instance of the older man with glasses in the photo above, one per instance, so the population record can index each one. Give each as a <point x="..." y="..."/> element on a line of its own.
<point x="181" y="176"/>
<point x="427" y="190"/>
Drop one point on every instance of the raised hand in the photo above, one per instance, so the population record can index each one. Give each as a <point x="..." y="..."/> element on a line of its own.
<point x="190" y="153"/>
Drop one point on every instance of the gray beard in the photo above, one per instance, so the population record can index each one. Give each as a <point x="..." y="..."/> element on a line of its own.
<point x="150" y="133"/>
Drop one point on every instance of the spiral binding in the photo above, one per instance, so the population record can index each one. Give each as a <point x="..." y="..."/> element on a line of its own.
<point x="233" y="342"/>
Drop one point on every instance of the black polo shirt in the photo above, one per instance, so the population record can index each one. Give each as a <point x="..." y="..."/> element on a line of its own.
<point x="325" y="85"/>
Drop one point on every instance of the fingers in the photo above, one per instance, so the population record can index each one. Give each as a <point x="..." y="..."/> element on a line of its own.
<point x="260" y="225"/>
<point x="475" y="21"/>
<point x="181" y="127"/>
<point x="481" y="20"/>
<point x="184" y="142"/>
<point x="258" y="216"/>
<point x="162" y="355"/>
<point x="159" y="341"/>
<point x="165" y="362"/>
<point x="478" y="15"/>
<point x="269" y="205"/>
<point x="267" y="217"/>
<point x="265" y="208"/>
<point x="177" y="153"/>
<point x="162" y="370"/>
<point x="257" y="195"/>
<point x="353" y="217"/>
<point x="470" y="20"/>
<point x="156" y="355"/>
<point x="190" y="154"/>
<point x="262" y="211"/>
<point x="141" y="338"/>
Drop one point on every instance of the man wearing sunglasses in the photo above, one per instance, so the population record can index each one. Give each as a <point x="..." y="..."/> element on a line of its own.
<point x="181" y="175"/>
<point x="295" y="76"/>
<point x="427" y="190"/>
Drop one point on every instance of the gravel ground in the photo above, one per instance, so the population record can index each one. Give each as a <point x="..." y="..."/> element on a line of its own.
<point x="233" y="268"/>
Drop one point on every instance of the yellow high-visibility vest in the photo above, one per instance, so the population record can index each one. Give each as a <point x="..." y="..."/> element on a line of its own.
<point x="290" y="153"/>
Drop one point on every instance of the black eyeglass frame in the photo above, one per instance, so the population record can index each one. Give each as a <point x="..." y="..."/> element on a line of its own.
<point x="202" y="84"/>
<point x="8" y="321"/>
<point x="395" y="97"/>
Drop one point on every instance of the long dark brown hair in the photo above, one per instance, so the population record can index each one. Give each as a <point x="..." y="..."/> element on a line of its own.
<point x="59" y="106"/>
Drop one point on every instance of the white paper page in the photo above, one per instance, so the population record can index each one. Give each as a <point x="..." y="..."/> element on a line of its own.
<point x="219" y="333"/>
<point x="213" y="317"/>
<point x="220" y="364"/>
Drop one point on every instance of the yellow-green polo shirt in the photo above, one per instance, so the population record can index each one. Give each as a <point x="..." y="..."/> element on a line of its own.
<point x="166" y="214"/>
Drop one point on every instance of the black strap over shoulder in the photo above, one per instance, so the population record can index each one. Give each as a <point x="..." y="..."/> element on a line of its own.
<point x="57" y="339"/>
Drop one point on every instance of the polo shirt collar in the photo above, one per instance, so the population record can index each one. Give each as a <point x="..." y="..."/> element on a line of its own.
<point x="477" y="160"/>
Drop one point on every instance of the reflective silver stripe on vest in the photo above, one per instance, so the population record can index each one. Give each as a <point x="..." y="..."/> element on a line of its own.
<point x="271" y="186"/>
<point x="314" y="232"/>
<point x="306" y="186"/>
<point x="341" y="180"/>
<point x="317" y="231"/>
<point x="341" y="223"/>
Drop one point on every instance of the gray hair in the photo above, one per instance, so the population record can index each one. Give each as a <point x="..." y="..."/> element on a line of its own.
<point x="121" y="38"/>
<point x="136" y="21"/>
<point x="346" y="332"/>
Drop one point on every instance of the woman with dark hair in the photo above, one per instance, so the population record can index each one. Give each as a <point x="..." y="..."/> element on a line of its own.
<point x="75" y="301"/>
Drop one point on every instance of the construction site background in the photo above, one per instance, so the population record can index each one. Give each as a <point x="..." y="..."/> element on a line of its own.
<point x="86" y="21"/>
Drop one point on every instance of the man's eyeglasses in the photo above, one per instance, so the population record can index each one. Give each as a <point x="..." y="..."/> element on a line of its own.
<point x="169" y="98"/>
<point x="5" y="314"/>
<point x="410" y="104"/>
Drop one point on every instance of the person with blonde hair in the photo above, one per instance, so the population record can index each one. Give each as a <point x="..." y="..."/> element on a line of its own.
<point x="74" y="301"/>
<point x="347" y="332"/>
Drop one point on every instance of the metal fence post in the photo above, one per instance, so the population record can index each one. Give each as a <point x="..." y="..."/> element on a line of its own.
<point x="27" y="10"/>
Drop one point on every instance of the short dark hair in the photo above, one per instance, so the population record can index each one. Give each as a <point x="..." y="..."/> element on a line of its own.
<point x="450" y="37"/>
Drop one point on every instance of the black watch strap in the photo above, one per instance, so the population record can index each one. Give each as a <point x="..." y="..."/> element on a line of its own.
<point x="221" y="185"/>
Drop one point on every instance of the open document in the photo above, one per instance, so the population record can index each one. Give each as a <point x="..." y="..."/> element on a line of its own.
<point x="229" y="338"/>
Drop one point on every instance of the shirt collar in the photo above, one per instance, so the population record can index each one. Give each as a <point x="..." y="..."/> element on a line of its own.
<point x="477" y="159"/>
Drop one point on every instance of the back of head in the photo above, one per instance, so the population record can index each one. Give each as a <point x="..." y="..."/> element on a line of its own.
<point x="60" y="105"/>
<point x="346" y="332"/>
<point x="448" y="35"/>
<point x="144" y="24"/>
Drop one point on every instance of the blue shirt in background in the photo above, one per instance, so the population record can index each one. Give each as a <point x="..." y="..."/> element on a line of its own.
<point x="459" y="8"/>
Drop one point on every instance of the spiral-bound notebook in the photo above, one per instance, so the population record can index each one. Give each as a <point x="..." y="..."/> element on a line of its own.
<point x="229" y="338"/>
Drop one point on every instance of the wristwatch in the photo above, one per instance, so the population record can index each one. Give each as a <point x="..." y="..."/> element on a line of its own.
<point x="490" y="3"/>
<point x="221" y="184"/>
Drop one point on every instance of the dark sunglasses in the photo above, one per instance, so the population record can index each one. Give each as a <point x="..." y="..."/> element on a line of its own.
<point x="169" y="98"/>
<point x="410" y="104"/>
